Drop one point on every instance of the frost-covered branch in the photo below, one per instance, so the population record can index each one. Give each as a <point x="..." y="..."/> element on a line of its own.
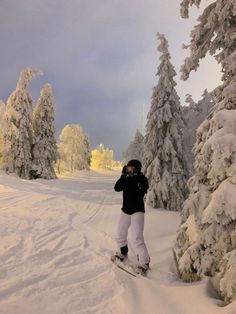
<point x="215" y="34"/>
<point x="26" y="76"/>
<point x="186" y="4"/>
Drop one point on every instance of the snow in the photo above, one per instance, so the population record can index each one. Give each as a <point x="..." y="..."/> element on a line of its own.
<point x="219" y="149"/>
<point x="223" y="200"/>
<point x="191" y="229"/>
<point x="56" y="239"/>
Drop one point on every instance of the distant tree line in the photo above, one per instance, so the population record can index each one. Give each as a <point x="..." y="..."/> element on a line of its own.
<point x="28" y="146"/>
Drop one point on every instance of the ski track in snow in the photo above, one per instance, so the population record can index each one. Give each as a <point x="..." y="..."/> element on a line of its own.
<point x="56" y="240"/>
<point x="46" y="257"/>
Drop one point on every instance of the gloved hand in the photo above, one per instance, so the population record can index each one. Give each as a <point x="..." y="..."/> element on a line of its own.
<point x="124" y="170"/>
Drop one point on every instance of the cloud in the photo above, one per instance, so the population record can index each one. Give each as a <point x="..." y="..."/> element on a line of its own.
<point x="100" y="57"/>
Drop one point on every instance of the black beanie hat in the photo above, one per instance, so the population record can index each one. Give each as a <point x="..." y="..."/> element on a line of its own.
<point x="135" y="163"/>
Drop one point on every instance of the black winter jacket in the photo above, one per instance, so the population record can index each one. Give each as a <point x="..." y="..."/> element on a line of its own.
<point x="134" y="188"/>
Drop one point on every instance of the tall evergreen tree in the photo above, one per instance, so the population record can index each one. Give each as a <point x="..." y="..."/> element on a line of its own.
<point x="135" y="148"/>
<point x="45" y="147"/>
<point x="206" y="239"/>
<point x="163" y="160"/>
<point x="18" y="136"/>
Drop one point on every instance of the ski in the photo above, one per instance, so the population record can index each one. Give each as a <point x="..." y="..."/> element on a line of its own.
<point x="128" y="268"/>
<point x="122" y="267"/>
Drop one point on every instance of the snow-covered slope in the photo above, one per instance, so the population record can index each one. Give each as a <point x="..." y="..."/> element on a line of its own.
<point x="56" y="239"/>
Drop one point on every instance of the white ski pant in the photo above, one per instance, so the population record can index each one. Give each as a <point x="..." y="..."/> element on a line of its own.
<point x="136" y="222"/>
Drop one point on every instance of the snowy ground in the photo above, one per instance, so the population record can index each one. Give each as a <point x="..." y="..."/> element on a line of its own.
<point x="56" y="239"/>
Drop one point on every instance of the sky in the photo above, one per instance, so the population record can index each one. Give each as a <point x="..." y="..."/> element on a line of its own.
<point x="101" y="58"/>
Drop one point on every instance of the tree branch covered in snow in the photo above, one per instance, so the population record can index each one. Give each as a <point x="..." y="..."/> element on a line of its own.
<point x="215" y="34"/>
<point x="26" y="76"/>
<point x="185" y="4"/>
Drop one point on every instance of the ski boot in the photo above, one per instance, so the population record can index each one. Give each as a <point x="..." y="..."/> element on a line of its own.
<point x="121" y="255"/>
<point x="142" y="269"/>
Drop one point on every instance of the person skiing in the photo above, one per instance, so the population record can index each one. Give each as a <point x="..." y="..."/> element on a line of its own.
<point x="134" y="185"/>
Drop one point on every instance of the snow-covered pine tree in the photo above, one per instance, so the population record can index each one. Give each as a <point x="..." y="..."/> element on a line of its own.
<point x="45" y="147"/>
<point x="206" y="239"/>
<point x="18" y="137"/>
<point x="2" y="111"/>
<point x="134" y="150"/>
<point x="74" y="149"/>
<point x="193" y="115"/>
<point x="163" y="160"/>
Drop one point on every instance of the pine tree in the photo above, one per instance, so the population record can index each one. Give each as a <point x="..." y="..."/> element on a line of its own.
<point x="135" y="148"/>
<point x="163" y="160"/>
<point x="193" y="115"/>
<point x="18" y="137"/>
<point x="45" y="147"/>
<point x="206" y="239"/>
